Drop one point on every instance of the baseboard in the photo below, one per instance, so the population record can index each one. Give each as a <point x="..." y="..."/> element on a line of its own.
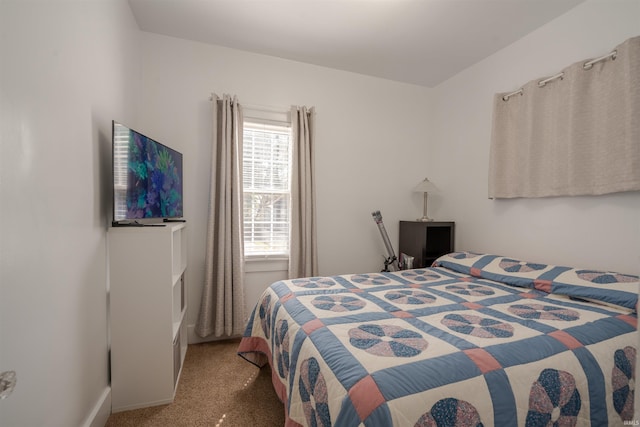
<point x="194" y="338"/>
<point x="101" y="411"/>
<point x="117" y="409"/>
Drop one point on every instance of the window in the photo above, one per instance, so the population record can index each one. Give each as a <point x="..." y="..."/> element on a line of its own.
<point x="120" y="164"/>
<point x="267" y="188"/>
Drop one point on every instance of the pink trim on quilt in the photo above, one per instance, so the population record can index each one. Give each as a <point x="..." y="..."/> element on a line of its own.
<point x="402" y="314"/>
<point x="288" y="422"/>
<point x="279" y="387"/>
<point x="483" y="359"/>
<point x="287" y="297"/>
<point x="366" y="396"/>
<point x="466" y="279"/>
<point x="475" y="272"/>
<point x="472" y="305"/>
<point x="633" y="321"/>
<point x="566" y="339"/>
<point x="528" y="295"/>
<point x="281" y="392"/>
<point x="312" y="325"/>
<point x="255" y="345"/>
<point x="259" y="345"/>
<point x="542" y="285"/>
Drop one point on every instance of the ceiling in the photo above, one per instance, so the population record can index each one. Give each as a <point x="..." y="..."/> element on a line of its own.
<point x="422" y="42"/>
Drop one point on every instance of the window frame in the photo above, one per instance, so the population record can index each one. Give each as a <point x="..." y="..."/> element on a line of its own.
<point x="281" y="119"/>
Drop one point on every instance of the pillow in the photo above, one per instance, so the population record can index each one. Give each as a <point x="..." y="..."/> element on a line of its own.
<point x="599" y="286"/>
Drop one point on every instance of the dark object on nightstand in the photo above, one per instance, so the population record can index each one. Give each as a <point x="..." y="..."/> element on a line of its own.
<point x="426" y="241"/>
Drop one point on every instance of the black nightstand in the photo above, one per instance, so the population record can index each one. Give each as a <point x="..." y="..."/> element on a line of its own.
<point x="426" y="241"/>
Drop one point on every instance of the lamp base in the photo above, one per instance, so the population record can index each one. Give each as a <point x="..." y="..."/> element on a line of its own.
<point x="424" y="218"/>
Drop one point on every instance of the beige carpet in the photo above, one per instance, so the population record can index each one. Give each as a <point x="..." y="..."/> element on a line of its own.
<point x="217" y="388"/>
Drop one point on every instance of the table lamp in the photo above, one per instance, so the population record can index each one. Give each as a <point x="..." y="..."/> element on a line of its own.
<point x="424" y="187"/>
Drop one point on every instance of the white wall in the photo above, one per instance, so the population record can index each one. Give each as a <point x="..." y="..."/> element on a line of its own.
<point x="371" y="144"/>
<point x="597" y="232"/>
<point x="67" y="68"/>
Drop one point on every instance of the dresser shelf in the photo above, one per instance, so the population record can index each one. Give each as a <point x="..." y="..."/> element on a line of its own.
<point x="426" y="240"/>
<point x="148" y="307"/>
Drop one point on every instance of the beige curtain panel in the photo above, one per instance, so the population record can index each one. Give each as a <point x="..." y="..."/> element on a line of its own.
<point x="303" y="254"/>
<point x="222" y="305"/>
<point x="578" y="133"/>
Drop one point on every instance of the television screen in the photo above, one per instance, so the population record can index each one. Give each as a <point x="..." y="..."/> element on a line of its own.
<point x="147" y="177"/>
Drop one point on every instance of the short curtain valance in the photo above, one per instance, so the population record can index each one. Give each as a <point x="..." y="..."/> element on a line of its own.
<point x="578" y="134"/>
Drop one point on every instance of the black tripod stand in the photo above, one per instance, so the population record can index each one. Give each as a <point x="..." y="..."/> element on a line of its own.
<point x="391" y="260"/>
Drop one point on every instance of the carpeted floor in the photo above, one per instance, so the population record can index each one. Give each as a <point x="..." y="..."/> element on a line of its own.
<point x="217" y="388"/>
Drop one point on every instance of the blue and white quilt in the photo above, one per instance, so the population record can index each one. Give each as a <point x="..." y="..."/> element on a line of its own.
<point x="476" y="340"/>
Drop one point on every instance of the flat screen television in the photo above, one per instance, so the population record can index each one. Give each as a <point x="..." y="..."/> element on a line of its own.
<point x="147" y="178"/>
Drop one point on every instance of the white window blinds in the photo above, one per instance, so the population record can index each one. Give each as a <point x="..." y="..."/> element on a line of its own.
<point x="267" y="187"/>
<point x="120" y="167"/>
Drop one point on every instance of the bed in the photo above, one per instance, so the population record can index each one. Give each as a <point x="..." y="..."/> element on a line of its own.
<point x="477" y="339"/>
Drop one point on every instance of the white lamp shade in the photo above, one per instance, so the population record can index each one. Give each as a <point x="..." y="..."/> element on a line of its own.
<point x="425" y="186"/>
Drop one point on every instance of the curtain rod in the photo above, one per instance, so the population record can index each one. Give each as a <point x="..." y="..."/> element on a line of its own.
<point x="542" y="83"/>
<point x="272" y="108"/>
<point x="586" y="66"/>
<point x="589" y="64"/>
